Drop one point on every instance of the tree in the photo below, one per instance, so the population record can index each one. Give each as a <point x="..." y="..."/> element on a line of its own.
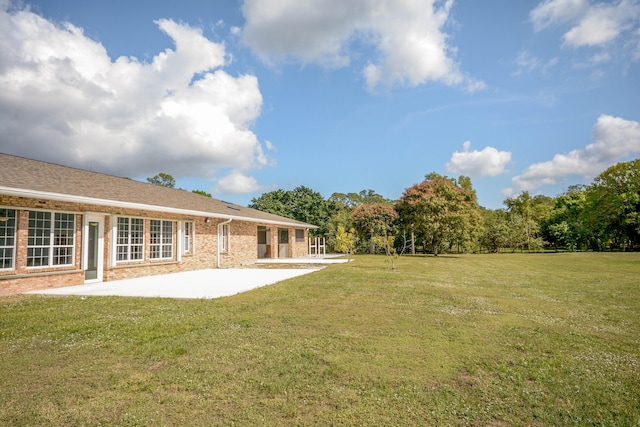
<point x="342" y="218"/>
<point x="496" y="230"/>
<point x="441" y="211"/>
<point x="202" y="193"/>
<point x="301" y="203"/>
<point x="346" y="241"/>
<point x="277" y="202"/>
<point x="163" y="180"/>
<point x="566" y="226"/>
<point x="527" y="214"/>
<point x="374" y="220"/>
<point x="613" y="206"/>
<point x="309" y="206"/>
<point x="344" y="205"/>
<point x="353" y="200"/>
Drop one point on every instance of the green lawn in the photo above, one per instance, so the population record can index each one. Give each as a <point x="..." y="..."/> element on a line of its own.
<point x="509" y="339"/>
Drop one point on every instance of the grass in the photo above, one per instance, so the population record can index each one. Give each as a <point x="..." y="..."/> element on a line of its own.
<point x="540" y="339"/>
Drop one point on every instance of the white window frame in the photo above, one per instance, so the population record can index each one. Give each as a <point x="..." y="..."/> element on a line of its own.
<point x="128" y="241"/>
<point x="188" y="238"/>
<point x="51" y="242"/>
<point x="161" y="239"/>
<point x="5" y="236"/>
<point x="224" y="238"/>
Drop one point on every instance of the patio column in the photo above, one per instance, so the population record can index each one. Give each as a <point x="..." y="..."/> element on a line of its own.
<point x="273" y="234"/>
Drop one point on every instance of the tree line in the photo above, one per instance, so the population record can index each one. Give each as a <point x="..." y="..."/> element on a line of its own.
<point x="441" y="214"/>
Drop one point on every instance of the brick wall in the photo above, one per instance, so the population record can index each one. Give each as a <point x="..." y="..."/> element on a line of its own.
<point x="301" y="248"/>
<point x="22" y="278"/>
<point x="243" y="246"/>
<point x="13" y="285"/>
<point x="203" y="256"/>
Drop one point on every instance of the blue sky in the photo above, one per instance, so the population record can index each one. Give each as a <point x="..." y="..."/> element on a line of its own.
<point x="238" y="98"/>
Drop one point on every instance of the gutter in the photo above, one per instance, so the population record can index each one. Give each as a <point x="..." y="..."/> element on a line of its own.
<point x="34" y="194"/>
<point x="229" y="243"/>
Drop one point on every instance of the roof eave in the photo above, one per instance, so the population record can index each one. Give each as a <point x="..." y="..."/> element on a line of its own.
<point x="59" y="197"/>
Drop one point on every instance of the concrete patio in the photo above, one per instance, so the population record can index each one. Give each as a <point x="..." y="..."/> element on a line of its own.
<point x="208" y="283"/>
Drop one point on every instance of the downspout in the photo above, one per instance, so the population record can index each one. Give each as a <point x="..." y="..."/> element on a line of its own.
<point x="229" y="243"/>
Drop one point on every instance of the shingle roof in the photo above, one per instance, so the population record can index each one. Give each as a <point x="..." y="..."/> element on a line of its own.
<point x="55" y="181"/>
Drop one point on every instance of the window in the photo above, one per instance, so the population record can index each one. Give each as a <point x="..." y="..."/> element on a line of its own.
<point x="51" y="240"/>
<point x="130" y="240"/>
<point x="188" y="238"/>
<point x="263" y="235"/>
<point x="161" y="239"/>
<point x="63" y="238"/>
<point x="7" y="238"/>
<point x="39" y="241"/>
<point x="299" y="235"/>
<point x="224" y="238"/>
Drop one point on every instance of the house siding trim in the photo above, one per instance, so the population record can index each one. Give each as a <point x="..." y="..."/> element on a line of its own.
<point x="33" y="194"/>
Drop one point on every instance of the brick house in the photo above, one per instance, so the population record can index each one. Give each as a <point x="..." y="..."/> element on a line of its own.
<point x="62" y="226"/>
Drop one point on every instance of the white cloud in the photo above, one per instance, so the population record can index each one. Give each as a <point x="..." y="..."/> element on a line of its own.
<point x="634" y="45"/>
<point x="600" y="25"/>
<point x="64" y="100"/>
<point x="591" y="23"/>
<point x="270" y="145"/>
<point x="411" y="46"/>
<point x="614" y="139"/>
<point x="488" y="162"/>
<point x="527" y="63"/>
<point x="550" y="12"/>
<point x="238" y="183"/>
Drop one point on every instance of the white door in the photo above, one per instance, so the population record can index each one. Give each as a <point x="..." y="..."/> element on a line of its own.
<point x="93" y="244"/>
